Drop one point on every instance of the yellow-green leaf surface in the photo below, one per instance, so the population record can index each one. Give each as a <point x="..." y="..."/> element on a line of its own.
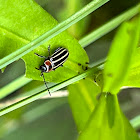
<point x="107" y="122"/>
<point x="120" y="55"/>
<point x="82" y="99"/>
<point x="133" y="79"/>
<point x="23" y="21"/>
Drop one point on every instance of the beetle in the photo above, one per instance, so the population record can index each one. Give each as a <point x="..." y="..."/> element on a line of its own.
<point x="53" y="61"/>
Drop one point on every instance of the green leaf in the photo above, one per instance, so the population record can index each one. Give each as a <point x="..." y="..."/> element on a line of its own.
<point x="82" y="101"/>
<point x="21" y="22"/>
<point x="133" y="79"/>
<point x="88" y="39"/>
<point x="120" y="56"/>
<point x="30" y="12"/>
<point x="107" y="122"/>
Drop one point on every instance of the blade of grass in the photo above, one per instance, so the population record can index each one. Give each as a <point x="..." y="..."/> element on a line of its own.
<point x="85" y="41"/>
<point x="57" y="94"/>
<point x="29" y="117"/>
<point x="109" y="26"/>
<point x="52" y="33"/>
<point x="135" y="122"/>
<point x="44" y="92"/>
<point x="16" y="84"/>
<point x="33" y="115"/>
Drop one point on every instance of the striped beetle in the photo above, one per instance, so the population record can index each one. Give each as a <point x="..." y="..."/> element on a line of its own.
<point x="52" y="62"/>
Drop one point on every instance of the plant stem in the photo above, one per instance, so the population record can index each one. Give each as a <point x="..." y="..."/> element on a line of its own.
<point x="93" y="5"/>
<point x="44" y="92"/>
<point x="109" y="26"/>
<point x="135" y="122"/>
<point x="16" y="84"/>
<point x="85" y="41"/>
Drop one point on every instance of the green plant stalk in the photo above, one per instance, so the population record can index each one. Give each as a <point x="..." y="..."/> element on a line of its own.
<point x="44" y="92"/>
<point x="16" y="84"/>
<point x="52" y="33"/>
<point x="85" y="41"/>
<point x="109" y="26"/>
<point x="135" y="122"/>
<point x="33" y="115"/>
<point x="29" y="117"/>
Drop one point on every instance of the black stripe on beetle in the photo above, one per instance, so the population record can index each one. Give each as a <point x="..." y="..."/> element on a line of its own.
<point x="52" y="62"/>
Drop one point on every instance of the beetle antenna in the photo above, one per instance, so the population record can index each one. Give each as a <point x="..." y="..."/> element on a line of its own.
<point x="49" y="50"/>
<point x="45" y="82"/>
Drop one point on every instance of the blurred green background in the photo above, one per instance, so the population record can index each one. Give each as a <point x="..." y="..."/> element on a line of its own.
<point x="52" y="118"/>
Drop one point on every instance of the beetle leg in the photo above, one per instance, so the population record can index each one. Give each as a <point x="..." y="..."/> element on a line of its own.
<point x="40" y="55"/>
<point x="57" y="49"/>
<point x="41" y="74"/>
